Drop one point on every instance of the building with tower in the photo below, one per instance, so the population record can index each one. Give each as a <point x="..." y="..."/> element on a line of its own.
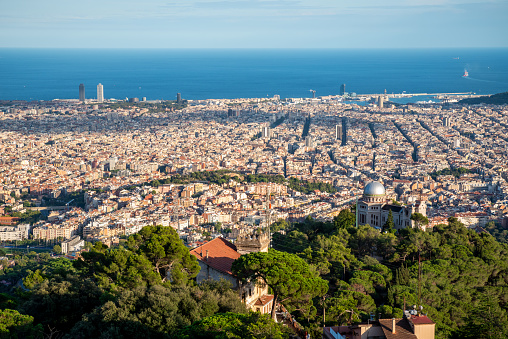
<point x="82" y="92"/>
<point x="373" y="208"/>
<point x="343" y="89"/>
<point x="216" y="258"/>
<point x="100" y="93"/>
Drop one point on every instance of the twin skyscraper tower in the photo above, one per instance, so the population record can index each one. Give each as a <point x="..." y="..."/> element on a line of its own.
<point x="100" y="93"/>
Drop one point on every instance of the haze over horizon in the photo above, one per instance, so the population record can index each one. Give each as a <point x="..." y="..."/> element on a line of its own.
<point x="254" y="24"/>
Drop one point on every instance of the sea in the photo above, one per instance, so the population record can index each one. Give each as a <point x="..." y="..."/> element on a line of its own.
<point x="159" y="74"/>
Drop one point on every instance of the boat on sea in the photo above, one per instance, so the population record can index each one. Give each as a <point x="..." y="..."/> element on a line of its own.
<point x="466" y="74"/>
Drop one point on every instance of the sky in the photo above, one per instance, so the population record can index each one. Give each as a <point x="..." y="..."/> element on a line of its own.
<point x="253" y="23"/>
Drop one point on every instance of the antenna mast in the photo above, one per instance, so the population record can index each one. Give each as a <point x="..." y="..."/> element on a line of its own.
<point x="419" y="283"/>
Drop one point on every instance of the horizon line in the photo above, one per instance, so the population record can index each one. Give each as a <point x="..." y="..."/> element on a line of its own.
<point x="259" y="48"/>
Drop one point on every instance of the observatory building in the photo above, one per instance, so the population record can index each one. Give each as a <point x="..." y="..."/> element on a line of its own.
<point x="373" y="208"/>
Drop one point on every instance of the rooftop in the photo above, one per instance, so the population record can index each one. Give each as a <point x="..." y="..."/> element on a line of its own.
<point x="217" y="253"/>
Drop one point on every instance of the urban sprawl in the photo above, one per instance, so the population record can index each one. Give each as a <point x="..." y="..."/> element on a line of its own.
<point x="100" y="171"/>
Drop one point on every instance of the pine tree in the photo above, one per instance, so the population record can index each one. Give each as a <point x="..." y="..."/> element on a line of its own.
<point x="389" y="224"/>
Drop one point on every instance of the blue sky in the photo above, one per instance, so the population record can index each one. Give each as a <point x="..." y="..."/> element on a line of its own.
<point x="253" y="23"/>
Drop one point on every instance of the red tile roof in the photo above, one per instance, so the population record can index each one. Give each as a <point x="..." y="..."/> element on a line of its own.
<point x="264" y="300"/>
<point x="221" y="254"/>
<point x="421" y="319"/>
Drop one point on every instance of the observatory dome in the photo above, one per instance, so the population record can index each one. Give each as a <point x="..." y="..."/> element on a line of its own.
<point x="374" y="188"/>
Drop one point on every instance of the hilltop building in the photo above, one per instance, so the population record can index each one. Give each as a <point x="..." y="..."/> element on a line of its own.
<point x="216" y="258"/>
<point x="373" y="208"/>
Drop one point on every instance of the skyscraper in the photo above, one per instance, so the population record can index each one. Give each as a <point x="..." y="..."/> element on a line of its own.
<point x="338" y="132"/>
<point x="342" y="89"/>
<point x="265" y="132"/>
<point x="100" y="93"/>
<point x="178" y="98"/>
<point x="82" y="92"/>
<point x="380" y="101"/>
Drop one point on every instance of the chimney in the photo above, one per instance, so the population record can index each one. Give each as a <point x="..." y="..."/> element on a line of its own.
<point x="393" y="325"/>
<point x="206" y="255"/>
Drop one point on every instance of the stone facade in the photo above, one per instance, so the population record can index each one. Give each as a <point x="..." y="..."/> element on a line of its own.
<point x="373" y="209"/>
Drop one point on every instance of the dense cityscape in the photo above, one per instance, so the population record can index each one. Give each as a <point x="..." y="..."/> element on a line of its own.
<point x="239" y="176"/>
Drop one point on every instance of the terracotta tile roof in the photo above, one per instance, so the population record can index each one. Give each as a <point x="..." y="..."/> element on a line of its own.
<point x="421" y="319"/>
<point x="402" y="329"/>
<point x="264" y="300"/>
<point x="221" y="254"/>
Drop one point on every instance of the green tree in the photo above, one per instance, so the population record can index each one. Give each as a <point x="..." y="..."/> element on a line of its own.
<point x="389" y="224"/>
<point x="235" y="326"/>
<point x="57" y="249"/>
<point x="157" y="311"/>
<point x="60" y="304"/>
<point x="345" y="219"/>
<point x="33" y="279"/>
<point x="420" y="220"/>
<point x="165" y="250"/>
<point x="217" y="226"/>
<point x="280" y="224"/>
<point x="289" y="277"/>
<point x="16" y="325"/>
<point x="118" y="267"/>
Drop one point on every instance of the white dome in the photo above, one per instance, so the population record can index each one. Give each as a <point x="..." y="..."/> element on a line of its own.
<point x="374" y="188"/>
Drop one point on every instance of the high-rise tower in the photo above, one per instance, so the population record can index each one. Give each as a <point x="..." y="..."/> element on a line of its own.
<point x="338" y="132"/>
<point x="342" y="89"/>
<point x="82" y="92"/>
<point x="100" y="93"/>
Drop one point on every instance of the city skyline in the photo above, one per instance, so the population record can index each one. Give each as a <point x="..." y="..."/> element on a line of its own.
<point x="254" y="24"/>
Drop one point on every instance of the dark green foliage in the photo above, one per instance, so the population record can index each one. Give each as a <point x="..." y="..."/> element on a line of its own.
<point x="498" y="231"/>
<point x="218" y="177"/>
<point x="157" y="312"/>
<point x="30" y="216"/>
<point x="309" y="187"/>
<point x="118" y="268"/>
<point x="389" y="224"/>
<point x="486" y="320"/>
<point x="235" y="326"/>
<point x="7" y="301"/>
<point x="60" y="304"/>
<point x="457" y="172"/>
<point x="286" y="274"/>
<point x="459" y="269"/>
<point x="419" y="219"/>
<point x="166" y="252"/>
<point x="496" y="99"/>
<point x="16" y="325"/>
<point x="345" y="219"/>
<point x="280" y="224"/>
